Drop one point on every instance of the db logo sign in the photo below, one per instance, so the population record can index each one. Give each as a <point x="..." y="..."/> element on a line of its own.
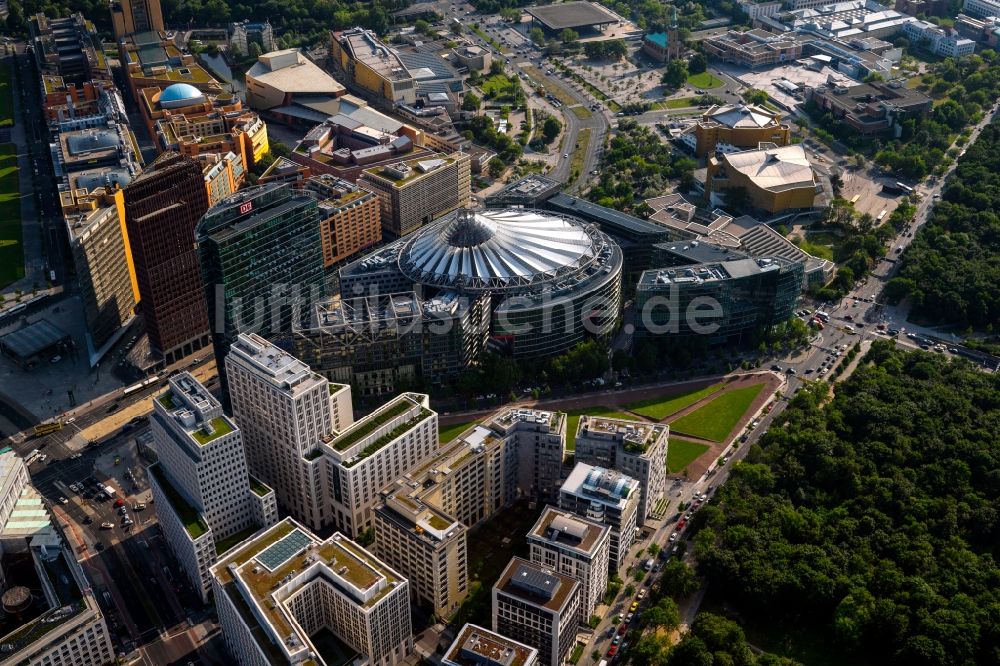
<point x="246" y="207"/>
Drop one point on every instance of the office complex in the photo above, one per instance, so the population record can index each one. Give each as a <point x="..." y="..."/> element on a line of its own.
<point x="68" y="47"/>
<point x="577" y="547"/>
<point x="129" y="16"/>
<point x="375" y="343"/>
<point x="152" y="60"/>
<point x="553" y="280"/>
<point x="537" y="606"/>
<point x="279" y="593"/>
<point x="753" y="48"/>
<point x="871" y="108"/>
<point x="478" y="646"/>
<point x="92" y="207"/>
<point x="373" y="452"/>
<point x="265" y="381"/>
<point x="205" y="500"/>
<point x="427" y="546"/>
<point x="415" y="192"/>
<point x="162" y="206"/>
<point x="638" y="450"/>
<point x="982" y="8"/>
<point x="607" y="497"/>
<point x="717" y="236"/>
<point x="51" y="616"/>
<point x="729" y="128"/>
<point x="349" y="217"/>
<point x="261" y="262"/>
<point x="372" y="66"/>
<point x="748" y="295"/>
<point x="775" y="178"/>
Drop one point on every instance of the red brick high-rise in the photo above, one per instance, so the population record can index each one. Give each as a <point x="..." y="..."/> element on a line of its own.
<point x="162" y="207"/>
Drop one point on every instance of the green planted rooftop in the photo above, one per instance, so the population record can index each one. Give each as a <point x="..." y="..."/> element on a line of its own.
<point x="167" y="400"/>
<point x="220" y="426"/>
<point x="395" y="433"/>
<point x="187" y="514"/>
<point x="367" y="426"/>
<point x="258" y="488"/>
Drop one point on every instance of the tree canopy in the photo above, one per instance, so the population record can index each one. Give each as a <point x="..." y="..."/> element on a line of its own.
<point x="952" y="268"/>
<point x="871" y="519"/>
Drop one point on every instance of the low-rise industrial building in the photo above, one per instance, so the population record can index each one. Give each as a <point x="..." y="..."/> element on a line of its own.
<point x="872" y="108"/>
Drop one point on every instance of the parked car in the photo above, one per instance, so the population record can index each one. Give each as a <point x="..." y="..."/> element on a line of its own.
<point x="107" y="526"/>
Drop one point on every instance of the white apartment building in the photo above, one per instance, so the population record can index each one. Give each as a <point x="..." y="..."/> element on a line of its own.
<point x="574" y="546"/>
<point x="754" y="9"/>
<point x="982" y="8"/>
<point x="607" y="497"/>
<point x="478" y="646"/>
<point x="202" y="491"/>
<point x="927" y="35"/>
<point x="538" y="607"/>
<point x="285" y="411"/>
<point x="539" y="438"/>
<point x="71" y="631"/>
<point x="638" y="450"/>
<point x="427" y="546"/>
<point x="372" y="453"/>
<point x="277" y="590"/>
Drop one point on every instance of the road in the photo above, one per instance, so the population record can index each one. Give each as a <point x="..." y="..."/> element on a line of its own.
<point x="826" y="347"/>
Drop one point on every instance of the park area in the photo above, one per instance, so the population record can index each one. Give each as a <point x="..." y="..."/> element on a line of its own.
<point x="681" y="453"/>
<point x="705" y="80"/>
<point x="450" y="432"/>
<point x="499" y="88"/>
<point x="11" y="249"/>
<point x="715" y="419"/>
<point x="660" y="408"/>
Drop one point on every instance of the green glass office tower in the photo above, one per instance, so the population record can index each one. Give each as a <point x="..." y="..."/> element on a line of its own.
<point x="262" y="263"/>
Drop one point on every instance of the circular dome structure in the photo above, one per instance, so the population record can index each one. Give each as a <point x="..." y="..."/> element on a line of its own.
<point x="16" y="599"/>
<point x="179" y="95"/>
<point x="498" y="250"/>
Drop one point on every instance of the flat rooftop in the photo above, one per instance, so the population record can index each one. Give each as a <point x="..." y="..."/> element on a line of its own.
<point x="274" y="564"/>
<point x="597" y="483"/>
<point x="634" y="433"/>
<point x="568" y="530"/>
<point x="536" y="585"/>
<point x="571" y="15"/>
<point x="507" y="419"/>
<point x="475" y="646"/>
<point x="278" y="366"/>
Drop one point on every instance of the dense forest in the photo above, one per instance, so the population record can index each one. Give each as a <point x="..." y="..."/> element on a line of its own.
<point x="870" y="520"/>
<point x="952" y="268"/>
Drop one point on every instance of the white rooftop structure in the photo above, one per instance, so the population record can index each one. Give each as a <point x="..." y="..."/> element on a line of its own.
<point x="741" y="116"/>
<point x="279" y="367"/>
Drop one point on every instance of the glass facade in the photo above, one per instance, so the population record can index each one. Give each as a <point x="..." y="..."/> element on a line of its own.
<point x="262" y="263"/>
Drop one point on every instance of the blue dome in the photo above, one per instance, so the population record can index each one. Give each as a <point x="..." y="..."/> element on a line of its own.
<point x="180" y="94"/>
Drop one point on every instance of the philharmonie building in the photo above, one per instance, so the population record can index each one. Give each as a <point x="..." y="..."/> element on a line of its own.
<point x="526" y="283"/>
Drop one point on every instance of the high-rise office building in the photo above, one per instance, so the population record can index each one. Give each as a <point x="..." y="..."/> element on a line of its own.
<point x="607" y="497"/>
<point x="282" y="587"/>
<point x="349" y="217"/>
<point x="537" y="606"/>
<point x="265" y="382"/>
<point x="637" y="450"/>
<point x="261" y="262"/>
<point x="131" y="16"/>
<point x="204" y="497"/>
<point x="427" y="546"/>
<point x="574" y="546"/>
<point x="416" y="192"/>
<point x="162" y="207"/>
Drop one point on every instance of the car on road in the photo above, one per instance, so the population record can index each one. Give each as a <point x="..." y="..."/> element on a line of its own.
<point x="673" y="537"/>
<point x="119" y="503"/>
<point x="107" y="526"/>
<point x="63" y="500"/>
<point x="622" y="628"/>
<point x="612" y="650"/>
<point x="87" y="520"/>
<point x="75" y="488"/>
<point x="641" y="595"/>
<point x="633" y="607"/>
<point x="139" y="507"/>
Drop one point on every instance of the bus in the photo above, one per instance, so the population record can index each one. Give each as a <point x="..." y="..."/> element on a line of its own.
<point x="47" y="428"/>
<point x="855" y="198"/>
<point x="906" y="189"/>
<point x="881" y="215"/>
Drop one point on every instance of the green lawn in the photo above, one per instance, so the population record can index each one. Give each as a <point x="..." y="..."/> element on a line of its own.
<point x="498" y="87"/>
<point x="573" y="421"/>
<point x="581" y="112"/>
<point x="6" y="98"/>
<point x="11" y="248"/>
<point x="814" y="248"/>
<point x="681" y="453"/>
<point x="579" y="152"/>
<point x="448" y="433"/>
<point x="705" y="80"/>
<point x="660" y="408"/>
<point x="678" y="103"/>
<point x="716" y="419"/>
